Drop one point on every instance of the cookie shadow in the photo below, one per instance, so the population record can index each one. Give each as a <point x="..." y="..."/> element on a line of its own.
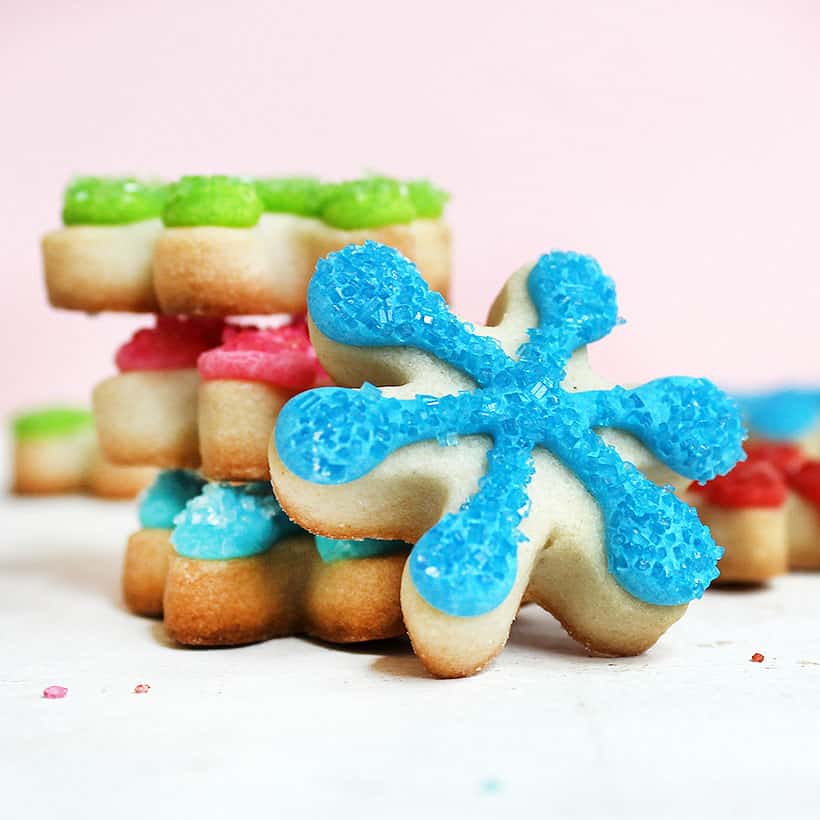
<point x="538" y="630"/>
<point x="406" y="666"/>
<point x="156" y="628"/>
<point x="730" y="588"/>
<point x="395" y="656"/>
<point x="388" y="647"/>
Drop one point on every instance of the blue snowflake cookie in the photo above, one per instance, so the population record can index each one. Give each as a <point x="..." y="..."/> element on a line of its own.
<point x="466" y="565"/>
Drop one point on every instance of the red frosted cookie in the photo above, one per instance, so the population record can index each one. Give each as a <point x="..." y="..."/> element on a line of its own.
<point x="750" y="484"/>
<point x="785" y="458"/>
<point x="175" y="342"/>
<point x="148" y="413"/>
<point x="765" y="512"/>
<point x="806" y="482"/>
<point x="803" y="510"/>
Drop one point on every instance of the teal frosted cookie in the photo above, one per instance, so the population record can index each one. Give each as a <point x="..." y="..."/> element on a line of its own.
<point x="243" y="572"/>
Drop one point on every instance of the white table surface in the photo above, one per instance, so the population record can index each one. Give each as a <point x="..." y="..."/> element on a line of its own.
<point x="292" y="728"/>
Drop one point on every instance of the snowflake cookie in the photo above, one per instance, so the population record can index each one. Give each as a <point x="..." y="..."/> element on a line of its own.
<point x="513" y="468"/>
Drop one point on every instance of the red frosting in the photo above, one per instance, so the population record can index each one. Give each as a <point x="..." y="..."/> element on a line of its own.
<point x="762" y="480"/>
<point x="806" y="482"/>
<point x="174" y="342"/>
<point x="751" y="483"/>
<point x="785" y="458"/>
<point x="281" y="356"/>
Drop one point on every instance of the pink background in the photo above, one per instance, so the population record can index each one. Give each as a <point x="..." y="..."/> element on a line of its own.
<point x="677" y="142"/>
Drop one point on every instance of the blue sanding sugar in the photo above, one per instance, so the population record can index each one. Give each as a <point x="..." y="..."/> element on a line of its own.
<point x="160" y="503"/>
<point x="230" y="521"/>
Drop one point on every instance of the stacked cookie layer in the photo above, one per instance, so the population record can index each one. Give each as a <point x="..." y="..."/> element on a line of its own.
<point x="198" y="394"/>
<point x="221" y="246"/>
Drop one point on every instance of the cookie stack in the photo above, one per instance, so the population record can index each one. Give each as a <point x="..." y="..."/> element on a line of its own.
<point x="199" y="390"/>
<point x="515" y="471"/>
<point x="766" y="512"/>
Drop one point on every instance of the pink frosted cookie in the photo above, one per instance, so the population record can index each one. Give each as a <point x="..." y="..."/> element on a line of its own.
<point x="245" y="382"/>
<point x="147" y="414"/>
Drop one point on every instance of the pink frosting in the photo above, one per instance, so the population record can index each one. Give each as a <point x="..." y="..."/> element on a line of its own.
<point x="174" y="342"/>
<point x="281" y="356"/>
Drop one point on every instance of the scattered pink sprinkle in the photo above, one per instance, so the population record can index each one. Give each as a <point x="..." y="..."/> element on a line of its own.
<point x="142" y="688"/>
<point x="54" y="692"/>
<point x="758" y="658"/>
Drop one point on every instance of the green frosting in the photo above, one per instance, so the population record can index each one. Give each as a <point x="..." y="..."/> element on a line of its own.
<point x="229" y="202"/>
<point x="291" y="195"/>
<point x="112" y="201"/>
<point x="374" y="202"/>
<point x="428" y="200"/>
<point x="52" y="421"/>
<point x="368" y="203"/>
<point x="232" y="202"/>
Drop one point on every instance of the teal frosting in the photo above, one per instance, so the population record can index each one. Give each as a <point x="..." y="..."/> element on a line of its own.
<point x="332" y="550"/>
<point x="166" y="498"/>
<point x="230" y="521"/>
